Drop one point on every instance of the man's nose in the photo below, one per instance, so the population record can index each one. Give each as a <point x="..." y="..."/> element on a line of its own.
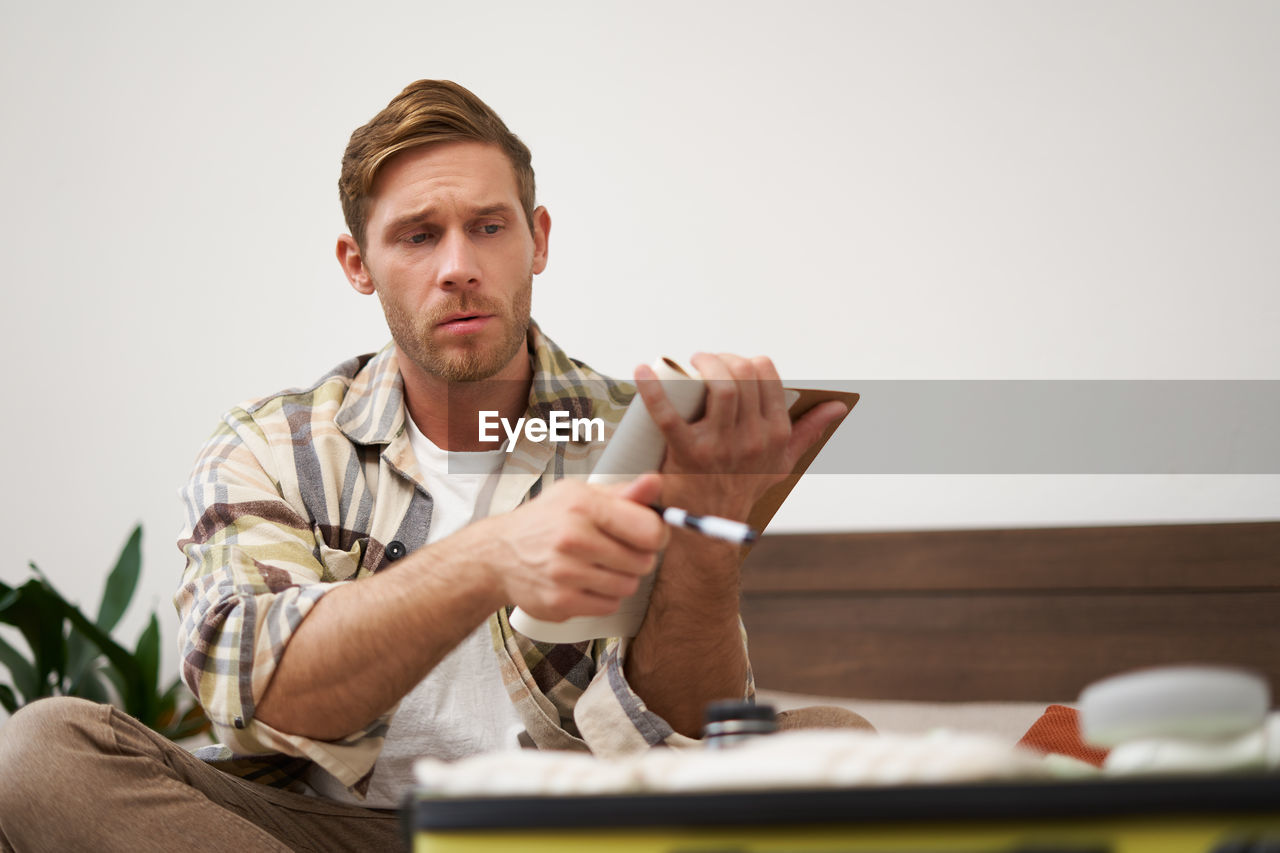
<point x="459" y="262"/>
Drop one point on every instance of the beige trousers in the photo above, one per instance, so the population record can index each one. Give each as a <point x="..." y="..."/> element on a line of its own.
<point x="75" y="775"/>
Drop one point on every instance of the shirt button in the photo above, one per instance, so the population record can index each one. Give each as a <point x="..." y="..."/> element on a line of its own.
<point x="395" y="549"/>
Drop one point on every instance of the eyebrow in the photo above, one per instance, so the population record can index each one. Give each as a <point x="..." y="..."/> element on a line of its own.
<point x="424" y="215"/>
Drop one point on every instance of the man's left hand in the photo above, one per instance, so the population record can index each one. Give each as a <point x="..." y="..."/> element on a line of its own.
<point x="744" y="442"/>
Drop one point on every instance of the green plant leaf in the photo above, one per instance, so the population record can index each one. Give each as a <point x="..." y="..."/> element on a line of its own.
<point x="167" y="706"/>
<point x="21" y="670"/>
<point x="92" y="686"/>
<point x="192" y="723"/>
<point x="121" y="583"/>
<point x="81" y="657"/>
<point x="112" y="674"/>
<point x="31" y="564"/>
<point x="181" y="717"/>
<point x="75" y="655"/>
<point x="148" y="657"/>
<point x="129" y="676"/>
<point x="38" y="612"/>
<point x="8" y="700"/>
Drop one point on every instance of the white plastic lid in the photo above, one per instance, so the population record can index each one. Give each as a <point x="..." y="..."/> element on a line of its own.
<point x="1198" y="702"/>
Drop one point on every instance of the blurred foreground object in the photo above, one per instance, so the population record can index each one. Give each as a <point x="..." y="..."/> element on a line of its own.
<point x="1180" y="719"/>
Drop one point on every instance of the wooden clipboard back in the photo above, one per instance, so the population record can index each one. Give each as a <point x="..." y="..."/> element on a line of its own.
<point x="767" y="506"/>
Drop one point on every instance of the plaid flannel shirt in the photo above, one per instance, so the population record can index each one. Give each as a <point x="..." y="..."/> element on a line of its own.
<point x="305" y="490"/>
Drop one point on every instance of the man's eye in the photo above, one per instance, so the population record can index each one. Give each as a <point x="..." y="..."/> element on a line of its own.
<point x="418" y="238"/>
<point x="491" y="228"/>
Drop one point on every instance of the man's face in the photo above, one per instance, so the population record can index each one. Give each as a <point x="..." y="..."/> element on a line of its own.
<point x="451" y="257"/>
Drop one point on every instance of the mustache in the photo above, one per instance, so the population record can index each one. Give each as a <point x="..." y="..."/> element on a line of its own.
<point x="468" y="303"/>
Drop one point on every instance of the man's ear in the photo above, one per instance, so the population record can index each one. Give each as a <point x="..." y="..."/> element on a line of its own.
<point x="541" y="236"/>
<point x="353" y="264"/>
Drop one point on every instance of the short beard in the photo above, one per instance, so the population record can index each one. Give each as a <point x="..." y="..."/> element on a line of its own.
<point x="474" y="362"/>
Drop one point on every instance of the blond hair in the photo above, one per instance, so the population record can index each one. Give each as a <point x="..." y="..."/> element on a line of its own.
<point x="427" y="112"/>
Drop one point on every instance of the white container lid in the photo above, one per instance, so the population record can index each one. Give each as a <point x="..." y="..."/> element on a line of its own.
<point x="1197" y="702"/>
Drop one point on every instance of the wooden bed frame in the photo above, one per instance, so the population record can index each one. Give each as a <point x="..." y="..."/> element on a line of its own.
<point x="1008" y="615"/>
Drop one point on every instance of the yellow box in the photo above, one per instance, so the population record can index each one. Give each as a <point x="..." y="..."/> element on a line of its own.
<point x="1188" y="815"/>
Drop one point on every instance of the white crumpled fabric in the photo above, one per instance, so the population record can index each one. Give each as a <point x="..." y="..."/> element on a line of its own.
<point x="794" y="759"/>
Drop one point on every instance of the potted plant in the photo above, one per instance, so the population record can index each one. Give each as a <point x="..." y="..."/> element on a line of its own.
<point x="69" y="654"/>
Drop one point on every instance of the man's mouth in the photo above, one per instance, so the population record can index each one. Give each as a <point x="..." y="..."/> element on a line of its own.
<point x="465" y="322"/>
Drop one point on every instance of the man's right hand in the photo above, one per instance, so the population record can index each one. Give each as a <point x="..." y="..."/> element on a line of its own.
<point x="575" y="550"/>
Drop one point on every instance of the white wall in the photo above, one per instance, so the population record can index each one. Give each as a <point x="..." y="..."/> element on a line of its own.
<point x="859" y="189"/>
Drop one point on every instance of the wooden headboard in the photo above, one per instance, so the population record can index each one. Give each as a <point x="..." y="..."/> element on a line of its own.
<point x="1008" y="615"/>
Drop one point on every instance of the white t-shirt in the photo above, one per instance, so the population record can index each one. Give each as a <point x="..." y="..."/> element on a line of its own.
<point x="461" y="708"/>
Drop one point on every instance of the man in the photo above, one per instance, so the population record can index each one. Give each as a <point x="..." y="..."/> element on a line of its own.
<point x="354" y="548"/>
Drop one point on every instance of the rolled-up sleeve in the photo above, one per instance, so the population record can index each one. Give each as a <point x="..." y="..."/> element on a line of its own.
<point x="614" y="720"/>
<point x="255" y="566"/>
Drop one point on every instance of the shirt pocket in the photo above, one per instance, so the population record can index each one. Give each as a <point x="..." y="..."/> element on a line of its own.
<point x="338" y="563"/>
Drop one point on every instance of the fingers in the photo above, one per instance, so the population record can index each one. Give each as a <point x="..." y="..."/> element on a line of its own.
<point x="664" y="415"/>
<point x="739" y="387"/>
<point x="623" y="514"/>
<point x="737" y="390"/>
<point x="724" y="394"/>
<point x="597" y="543"/>
<point x="645" y="489"/>
<point x="591" y="578"/>
<point x="809" y="428"/>
<point x="557" y="601"/>
<point x="773" y="399"/>
<point x="743" y="441"/>
<point x="613" y="527"/>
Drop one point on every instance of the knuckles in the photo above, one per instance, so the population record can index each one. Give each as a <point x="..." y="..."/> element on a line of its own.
<point x="653" y="538"/>
<point x="665" y="418"/>
<point x="779" y="430"/>
<point x="568" y="540"/>
<point x="574" y="495"/>
<point x="753" y="444"/>
<point x="559" y="572"/>
<point x="740" y="369"/>
<point x="627" y="586"/>
<point x="721" y="392"/>
<point x="560" y="603"/>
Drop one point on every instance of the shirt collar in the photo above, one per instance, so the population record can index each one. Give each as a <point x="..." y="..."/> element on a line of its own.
<point x="373" y="411"/>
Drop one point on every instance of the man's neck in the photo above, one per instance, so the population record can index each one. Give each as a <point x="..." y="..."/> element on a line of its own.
<point x="448" y="413"/>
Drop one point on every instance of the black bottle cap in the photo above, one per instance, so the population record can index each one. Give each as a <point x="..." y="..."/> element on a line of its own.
<point x="734" y="709"/>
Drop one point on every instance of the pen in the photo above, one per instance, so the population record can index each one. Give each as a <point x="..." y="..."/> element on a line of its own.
<point x="708" y="525"/>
